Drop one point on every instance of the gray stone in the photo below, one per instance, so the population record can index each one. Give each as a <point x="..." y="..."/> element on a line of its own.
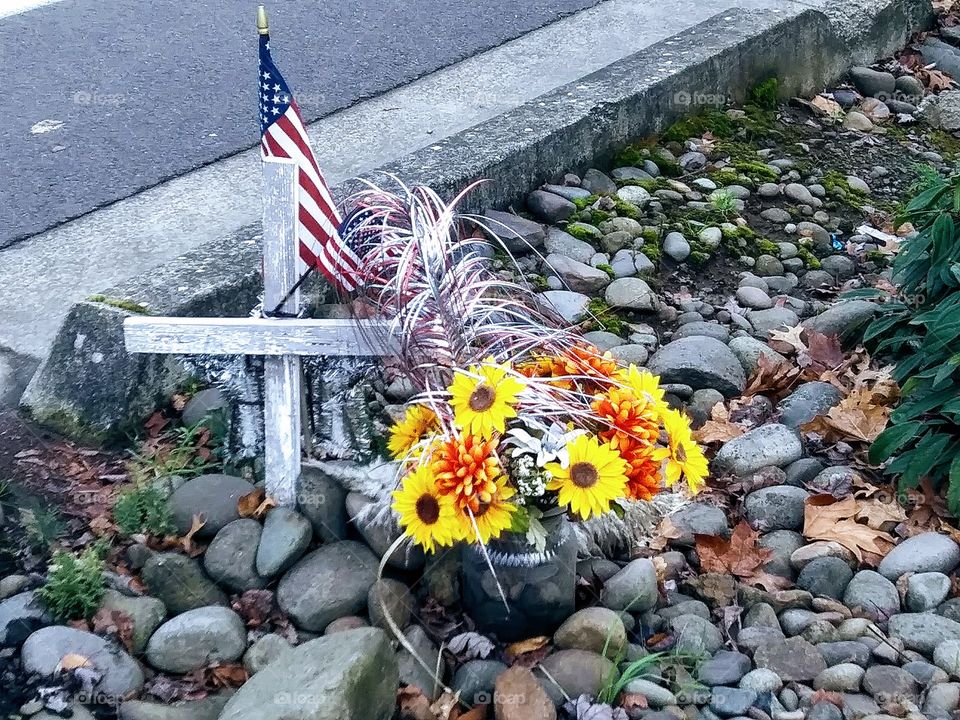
<point x="926" y="673"/>
<point x="699" y="362"/>
<point x="567" y="192"/>
<point x="322" y="499"/>
<point x="775" y="508"/>
<point x="826" y="577"/>
<point x="806" y="402"/>
<point x="844" y="651"/>
<point x="622" y="224"/>
<point x="711" y="237"/>
<point x="634" y="194"/>
<point x="794" y="659"/>
<point x="776" y="318"/>
<point x="549" y="207"/>
<point x="753" y="298"/>
<point x="695" y="635"/>
<point x="796" y="620"/>
<point x="802" y="471"/>
<point x="597" y="183"/>
<point x="753" y="638"/>
<point x="926" y="552"/>
<point x="687" y="607"/>
<point x="783" y="543"/>
<point x="843" y="319"/>
<point x="761" y="615"/>
<point x="78" y="712"/>
<point x="692" y="161"/>
<point x="624" y="263"/>
<point x="776" y="215"/>
<point x="196" y="638"/>
<point x="724" y="668"/>
<point x="286" y="536"/>
<point x="264" y="651"/>
<point x="947" y="656"/>
<point x="596" y="629"/>
<point x="630" y="173"/>
<point x="203" y="404"/>
<point x="411" y="671"/>
<point x="749" y="350"/>
<point x="656" y="695"/>
<point x="676" y="246"/>
<point x="768" y="265"/>
<point x="857" y="706"/>
<point x="890" y="680"/>
<point x="562" y="243"/>
<point x="873" y="593"/>
<point x="923" y="631"/>
<point x="13" y="585"/>
<point x="844" y="677"/>
<point x="820" y="235"/>
<point x="391" y="597"/>
<point x="772" y="444"/>
<point x="518" y="234"/>
<point x="577" y="672"/>
<point x="572" y="307"/>
<point x="602" y="340"/>
<point x="475" y="680"/>
<point x="380" y="533"/>
<point x="631" y="293"/>
<point x="630" y="354"/>
<point x="208" y="708"/>
<point x="873" y="83"/>
<point x="839" y="266"/>
<point x="145" y="613"/>
<point x="577" y="276"/>
<point x="942" y="700"/>
<point x="212" y="496"/>
<point x="348" y="676"/>
<point x="824" y="711"/>
<point x="180" y="583"/>
<point x="925" y="591"/>
<point x="799" y="193"/>
<point x="761" y="681"/>
<point x="44" y="649"/>
<point x="857" y="121"/>
<point x="328" y="583"/>
<point x="231" y="558"/>
<point x="21" y="615"/>
<point x="699" y="518"/>
<point x="617" y="241"/>
<point x="703" y="329"/>
<point x="731" y="702"/>
<point x="634" y="588"/>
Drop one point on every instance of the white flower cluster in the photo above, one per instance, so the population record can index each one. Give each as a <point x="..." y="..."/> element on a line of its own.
<point x="531" y="480"/>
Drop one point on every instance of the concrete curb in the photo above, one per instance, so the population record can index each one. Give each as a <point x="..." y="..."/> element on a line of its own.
<point x="88" y="386"/>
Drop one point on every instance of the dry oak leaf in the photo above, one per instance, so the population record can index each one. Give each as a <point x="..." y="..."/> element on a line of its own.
<point x="515" y="650"/>
<point x="826" y="518"/>
<point x="772" y="376"/>
<point x="718" y="429"/>
<point x="665" y="532"/>
<point x="791" y="336"/>
<point x="862" y="415"/>
<point x="877" y="513"/>
<point x="739" y="556"/>
<point x="186" y="542"/>
<point x="255" y="504"/>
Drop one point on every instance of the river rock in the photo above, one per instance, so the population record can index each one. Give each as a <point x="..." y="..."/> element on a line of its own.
<point x="475" y="679"/>
<point x="380" y="532"/>
<point x="631" y="293"/>
<point x="844" y="677"/>
<point x="20" y="615"/>
<point x="749" y="350"/>
<point x="772" y="444"/>
<point x="776" y="508"/>
<point x="793" y="659"/>
<point x="923" y="631"/>
<point x="947" y="656"/>
<point x="286" y="536"/>
<point x="231" y="559"/>
<point x="926" y="552"/>
<point x="328" y="583"/>
<point x="145" y="613"/>
<point x="347" y="676"/>
<point x="571" y="306"/>
<point x="518" y="234"/>
<point x="577" y="672"/>
<point x="196" y="638"/>
<point x="208" y="708"/>
<point x="634" y="588"/>
<point x="695" y="635"/>
<point x="180" y="583"/>
<point x="890" y="680"/>
<point x="876" y="596"/>
<point x="806" y="402"/>
<point x="593" y="629"/>
<point x="724" y="668"/>
<point x="700" y="362"/>
<point x="731" y="702"/>
<point x="548" y="207"/>
<point x="826" y="576"/>
<point x="676" y="246"/>
<point x="43" y="650"/>
<point x="391" y="597"/>
<point x="927" y="590"/>
<point x="577" y="276"/>
<point x="323" y="501"/>
<point x="264" y="651"/>
<point x="844" y="318"/>
<point x="212" y="496"/>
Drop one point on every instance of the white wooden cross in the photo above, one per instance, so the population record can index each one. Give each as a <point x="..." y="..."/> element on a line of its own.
<point x="280" y="340"/>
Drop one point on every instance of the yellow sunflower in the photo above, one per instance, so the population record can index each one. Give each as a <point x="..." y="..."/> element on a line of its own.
<point x="642" y="383"/>
<point x="595" y="477"/>
<point x="484" y="399"/>
<point x="406" y="434"/>
<point x="683" y="455"/>
<point x="426" y="515"/>
<point x="492" y="517"/>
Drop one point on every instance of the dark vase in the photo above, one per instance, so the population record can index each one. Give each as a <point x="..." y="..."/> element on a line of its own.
<point x="540" y="587"/>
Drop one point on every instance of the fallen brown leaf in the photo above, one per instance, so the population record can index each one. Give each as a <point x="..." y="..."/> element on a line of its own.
<point x="114" y="622"/>
<point x="740" y="556"/>
<point x="515" y="650"/>
<point x="228" y="675"/>
<point x="862" y="416"/>
<point x="772" y="376"/>
<point x="718" y="429"/>
<point x="255" y="504"/>
<point x="413" y="704"/>
<point x="826" y="518"/>
<point x="186" y="542"/>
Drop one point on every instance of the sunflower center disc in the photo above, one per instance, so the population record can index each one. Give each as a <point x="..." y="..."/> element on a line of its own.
<point x="428" y="509"/>
<point x="584" y="475"/>
<point x="482" y="398"/>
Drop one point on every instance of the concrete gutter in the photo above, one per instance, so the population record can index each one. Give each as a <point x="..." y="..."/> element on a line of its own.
<point x="88" y="386"/>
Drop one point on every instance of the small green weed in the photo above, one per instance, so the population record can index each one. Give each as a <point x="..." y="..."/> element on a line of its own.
<point x="75" y="584"/>
<point x="41" y="525"/>
<point x="144" y="508"/>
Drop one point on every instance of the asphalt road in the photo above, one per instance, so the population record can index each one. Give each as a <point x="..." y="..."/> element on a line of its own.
<point x="101" y="100"/>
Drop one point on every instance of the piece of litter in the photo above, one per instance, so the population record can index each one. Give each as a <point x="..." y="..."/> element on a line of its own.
<point x="45" y="126"/>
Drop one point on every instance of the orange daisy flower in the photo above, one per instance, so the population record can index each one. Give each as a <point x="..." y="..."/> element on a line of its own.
<point x="467" y="468"/>
<point x="627" y="415"/>
<point x="584" y="360"/>
<point x="643" y="470"/>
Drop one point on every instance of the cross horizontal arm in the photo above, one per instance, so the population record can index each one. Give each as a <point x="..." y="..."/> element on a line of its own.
<point x="255" y="336"/>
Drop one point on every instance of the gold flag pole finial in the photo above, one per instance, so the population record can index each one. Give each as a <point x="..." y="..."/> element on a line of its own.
<point x="262" y="26"/>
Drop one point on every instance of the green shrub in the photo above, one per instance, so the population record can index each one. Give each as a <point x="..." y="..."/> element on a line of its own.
<point x="765" y="94"/>
<point x="75" y="584"/>
<point x="920" y="331"/>
<point x="144" y="508"/>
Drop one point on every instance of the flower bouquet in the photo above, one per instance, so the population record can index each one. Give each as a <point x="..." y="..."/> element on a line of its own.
<point x="517" y="424"/>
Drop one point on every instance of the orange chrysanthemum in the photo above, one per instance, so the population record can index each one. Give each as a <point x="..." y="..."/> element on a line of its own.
<point x="467" y="469"/>
<point x="627" y="415"/>
<point x="643" y="470"/>
<point x="583" y="361"/>
<point x="538" y="367"/>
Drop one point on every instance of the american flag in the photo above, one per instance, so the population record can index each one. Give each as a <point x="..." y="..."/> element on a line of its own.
<point x="282" y="135"/>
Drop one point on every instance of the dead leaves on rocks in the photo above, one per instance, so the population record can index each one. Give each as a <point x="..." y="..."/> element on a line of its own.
<point x="739" y="556"/>
<point x="863" y="414"/>
<point x="857" y="525"/>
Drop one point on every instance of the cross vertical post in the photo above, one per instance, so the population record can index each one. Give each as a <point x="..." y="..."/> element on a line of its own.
<point x="282" y="378"/>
